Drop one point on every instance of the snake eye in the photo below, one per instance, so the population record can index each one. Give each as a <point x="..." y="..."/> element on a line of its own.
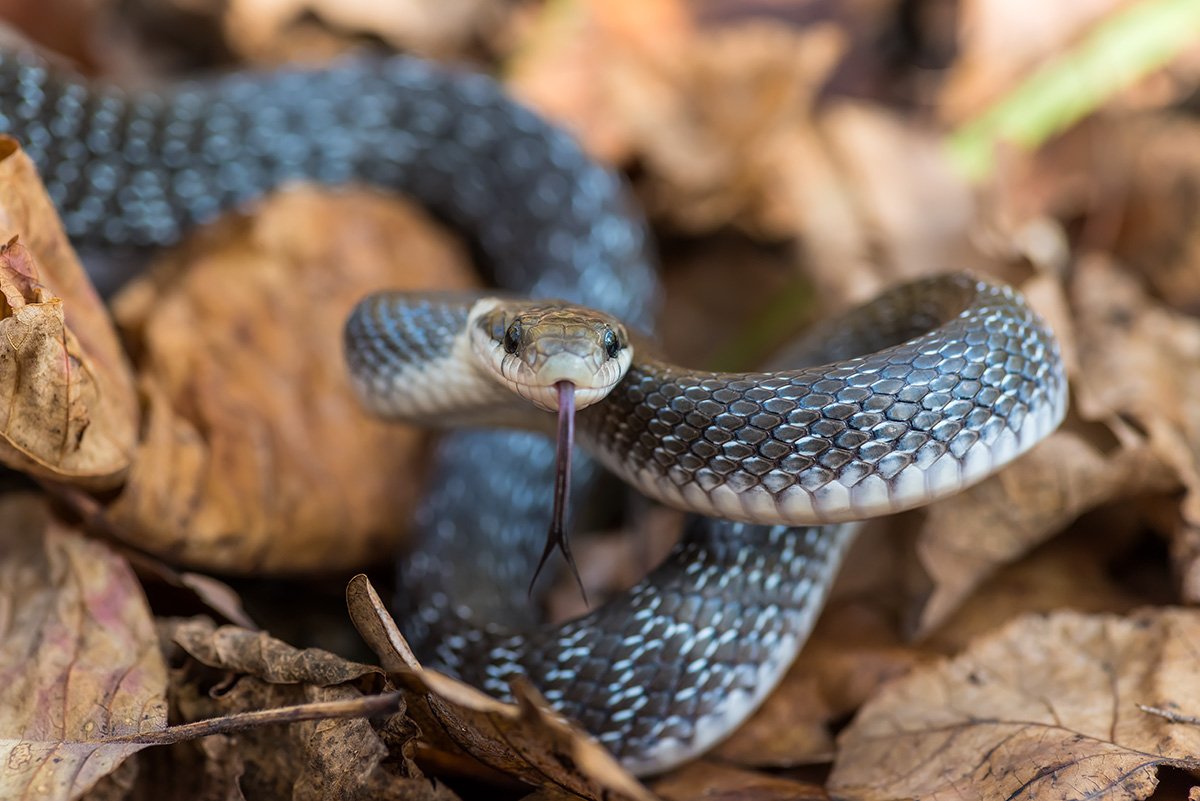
<point x="612" y="345"/>
<point x="512" y="338"/>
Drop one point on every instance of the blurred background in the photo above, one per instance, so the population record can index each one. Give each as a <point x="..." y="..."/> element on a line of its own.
<point x="794" y="157"/>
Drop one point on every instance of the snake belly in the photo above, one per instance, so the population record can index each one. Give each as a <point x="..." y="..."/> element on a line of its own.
<point x="663" y="672"/>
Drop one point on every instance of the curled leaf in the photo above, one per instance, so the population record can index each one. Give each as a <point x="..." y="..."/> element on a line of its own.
<point x="527" y="740"/>
<point x="257" y="456"/>
<point x="67" y="408"/>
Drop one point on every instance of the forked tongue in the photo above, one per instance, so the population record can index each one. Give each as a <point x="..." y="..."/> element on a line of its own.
<point x="556" y="537"/>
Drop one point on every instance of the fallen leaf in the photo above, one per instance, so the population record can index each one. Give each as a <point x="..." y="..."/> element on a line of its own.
<point x="79" y="658"/>
<point x="312" y="757"/>
<point x="967" y="537"/>
<point x="1003" y="40"/>
<point x="1140" y="374"/>
<point x="71" y="414"/>
<point x="1156" y="163"/>
<point x="256" y="455"/>
<point x="256" y="653"/>
<point x="1045" y="707"/>
<point x="706" y="112"/>
<point x="1080" y="570"/>
<point x="859" y="189"/>
<point x="526" y="740"/>
<point x="705" y="781"/>
<point x="259" y="29"/>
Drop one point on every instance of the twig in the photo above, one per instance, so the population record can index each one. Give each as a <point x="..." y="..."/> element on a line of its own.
<point x="1174" y="717"/>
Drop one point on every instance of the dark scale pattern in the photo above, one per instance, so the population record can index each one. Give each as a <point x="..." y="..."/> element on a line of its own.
<point x="869" y="435"/>
<point x="665" y="670"/>
<point x="142" y="168"/>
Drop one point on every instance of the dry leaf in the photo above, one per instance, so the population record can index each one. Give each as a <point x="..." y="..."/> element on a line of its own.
<point x="966" y="538"/>
<point x="1003" y="40"/>
<point x="1155" y="162"/>
<point x="705" y="781"/>
<point x="874" y="200"/>
<point x="256" y="455"/>
<point x="64" y="381"/>
<point x="1077" y="570"/>
<point x="253" y="652"/>
<point x="259" y="29"/>
<point x="79" y="658"/>
<point x="528" y="741"/>
<point x="1045" y="707"/>
<point x="308" y="759"/>
<point x="706" y="112"/>
<point x="1140" y="375"/>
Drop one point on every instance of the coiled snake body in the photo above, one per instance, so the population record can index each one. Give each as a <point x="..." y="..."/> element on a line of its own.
<point x="959" y="378"/>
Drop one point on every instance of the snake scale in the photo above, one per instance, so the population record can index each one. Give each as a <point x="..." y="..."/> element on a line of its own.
<point x="960" y="377"/>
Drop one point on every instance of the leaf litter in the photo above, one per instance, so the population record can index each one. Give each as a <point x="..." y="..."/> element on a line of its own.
<point x="946" y="663"/>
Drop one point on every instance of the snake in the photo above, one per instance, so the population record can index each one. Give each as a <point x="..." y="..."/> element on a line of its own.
<point x="918" y="394"/>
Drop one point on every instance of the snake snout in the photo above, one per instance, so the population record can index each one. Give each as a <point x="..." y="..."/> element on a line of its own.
<point x="539" y="384"/>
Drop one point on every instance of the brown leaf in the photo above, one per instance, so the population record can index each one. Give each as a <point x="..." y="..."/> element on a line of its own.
<point x="858" y="191"/>
<point x="1140" y="375"/>
<point x="966" y="538"/>
<point x="264" y="31"/>
<point x="258" y="654"/>
<point x="1044" y="707"/>
<point x="70" y="411"/>
<point x="79" y="659"/>
<point x="527" y="740"/>
<point x="707" y="112"/>
<point x="705" y="781"/>
<point x="1155" y="160"/>
<point x="313" y="757"/>
<point x="1077" y="570"/>
<point x="1004" y="40"/>
<point x="328" y="749"/>
<point x="256" y="456"/>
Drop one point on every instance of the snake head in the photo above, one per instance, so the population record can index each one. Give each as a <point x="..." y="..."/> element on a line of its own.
<point x="532" y="346"/>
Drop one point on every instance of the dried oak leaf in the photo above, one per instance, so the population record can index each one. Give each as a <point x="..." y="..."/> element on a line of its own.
<point x="528" y="740"/>
<point x="1044" y="707"/>
<point x="70" y="410"/>
<point x="256" y="456"/>
<point x="1140" y="376"/>
<point x="706" y="781"/>
<point x="709" y="113"/>
<point x="263" y="29"/>
<point x="307" y="759"/>
<point x="1077" y="570"/>
<point x="79" y="658"/>
<point x="966" y="538"/>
